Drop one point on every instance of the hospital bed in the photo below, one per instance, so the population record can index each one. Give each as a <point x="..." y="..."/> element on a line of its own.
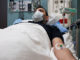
<point x="28" y="41"/>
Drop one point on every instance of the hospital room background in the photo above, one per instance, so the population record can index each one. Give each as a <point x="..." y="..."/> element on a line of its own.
<point x="12" y="10"/>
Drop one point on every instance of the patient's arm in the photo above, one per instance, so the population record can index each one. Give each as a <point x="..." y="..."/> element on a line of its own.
<point x="63" y="53"/>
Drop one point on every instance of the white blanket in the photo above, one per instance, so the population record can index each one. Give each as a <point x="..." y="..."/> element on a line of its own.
<point x="24" y="41"/>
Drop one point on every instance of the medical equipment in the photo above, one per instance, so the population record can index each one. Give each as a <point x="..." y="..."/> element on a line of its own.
<point x="75" y="29"/>
<point x="12" y="4"/>
<point x="69" y="10"/>
<point x="59" y="46"/>
<point x="55" y="6"/>
<point x="21" y="8"/>
<point x="35" y="3"/>
<point x="75" y="23"/>
<point x="20" y="5"/>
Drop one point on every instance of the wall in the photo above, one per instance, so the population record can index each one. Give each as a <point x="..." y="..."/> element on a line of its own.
<point x="27" y="15"/>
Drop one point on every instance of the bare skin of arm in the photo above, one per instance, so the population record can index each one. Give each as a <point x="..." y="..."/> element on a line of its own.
<point x="62" y="54"/>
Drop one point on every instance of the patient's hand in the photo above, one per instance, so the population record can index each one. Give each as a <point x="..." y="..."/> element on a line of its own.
<point x="60" y="51"/>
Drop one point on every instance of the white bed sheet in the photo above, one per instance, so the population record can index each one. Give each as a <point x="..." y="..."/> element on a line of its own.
<point x="24" y="41"/>
<point x="28" y="41"/>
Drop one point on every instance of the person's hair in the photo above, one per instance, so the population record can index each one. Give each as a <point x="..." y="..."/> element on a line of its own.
<point x="39" y="6"/>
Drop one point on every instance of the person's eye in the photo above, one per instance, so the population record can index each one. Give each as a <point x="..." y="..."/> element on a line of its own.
<point x="41" y="10"/>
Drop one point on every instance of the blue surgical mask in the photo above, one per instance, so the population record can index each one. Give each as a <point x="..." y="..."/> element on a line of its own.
<point x="38" y="16"/>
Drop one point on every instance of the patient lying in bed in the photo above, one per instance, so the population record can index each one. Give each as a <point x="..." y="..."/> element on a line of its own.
<point x="25" y="41"/>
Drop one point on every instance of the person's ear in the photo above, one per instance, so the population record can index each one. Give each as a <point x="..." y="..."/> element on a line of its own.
<point x="47" y="17"/>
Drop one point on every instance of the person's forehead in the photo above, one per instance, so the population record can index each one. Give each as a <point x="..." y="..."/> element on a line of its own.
<point x="41" y="9"/>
